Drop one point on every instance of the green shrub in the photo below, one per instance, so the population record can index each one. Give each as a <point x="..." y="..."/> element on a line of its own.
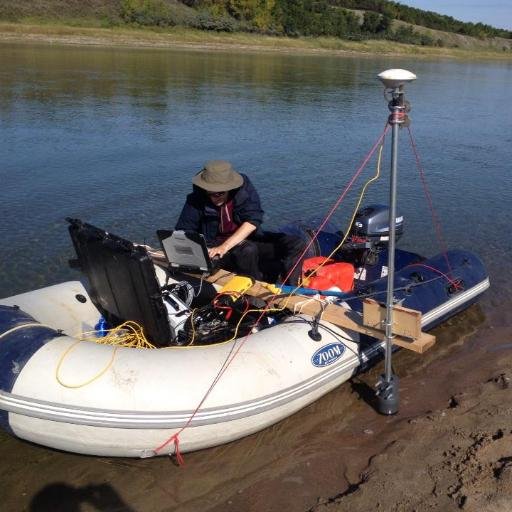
<point x="147" y="12"/>
<point x="205" y="20"/>
<point x="426" y="40"/>
<point x="371" y="22"/>
<point x="409" y="36"/>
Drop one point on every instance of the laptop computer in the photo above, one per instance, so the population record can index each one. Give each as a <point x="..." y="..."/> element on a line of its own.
<point x="186" y="251"/>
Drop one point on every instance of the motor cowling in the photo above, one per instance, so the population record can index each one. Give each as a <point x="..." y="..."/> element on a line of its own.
<point x="372" y="223"/>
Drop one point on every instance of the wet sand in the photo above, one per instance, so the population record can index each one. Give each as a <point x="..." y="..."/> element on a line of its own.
<point x="449" y="447"/>
<point x="458" y="457"/>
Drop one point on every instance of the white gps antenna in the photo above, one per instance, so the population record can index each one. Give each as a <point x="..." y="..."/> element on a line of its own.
<point x="395" y="78"/>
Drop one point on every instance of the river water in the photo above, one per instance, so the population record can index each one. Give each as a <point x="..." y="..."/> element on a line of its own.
<point x="113" y="136"/>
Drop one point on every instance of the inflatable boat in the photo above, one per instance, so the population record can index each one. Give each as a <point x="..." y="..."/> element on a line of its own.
<point x="220" y="369"/>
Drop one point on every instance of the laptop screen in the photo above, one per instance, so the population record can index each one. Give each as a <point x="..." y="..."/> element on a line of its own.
<point x="186" y="251"/>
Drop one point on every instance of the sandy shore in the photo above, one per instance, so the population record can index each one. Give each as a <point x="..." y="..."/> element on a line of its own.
<point x="459" y="457"/>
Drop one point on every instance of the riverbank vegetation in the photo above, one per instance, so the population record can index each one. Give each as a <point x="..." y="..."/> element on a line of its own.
<point x="330" y="23"/>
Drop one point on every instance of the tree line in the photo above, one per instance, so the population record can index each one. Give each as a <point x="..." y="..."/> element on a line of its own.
<point x="303" y="18"/>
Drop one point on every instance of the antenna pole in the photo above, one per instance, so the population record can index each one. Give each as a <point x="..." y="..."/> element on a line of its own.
<point x="387" y="390"/>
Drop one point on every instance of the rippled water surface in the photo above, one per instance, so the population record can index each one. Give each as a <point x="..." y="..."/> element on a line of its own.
<point x="113" y="137"/>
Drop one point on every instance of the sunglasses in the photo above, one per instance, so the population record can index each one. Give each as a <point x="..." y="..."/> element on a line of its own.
<point x="216" y="194"/>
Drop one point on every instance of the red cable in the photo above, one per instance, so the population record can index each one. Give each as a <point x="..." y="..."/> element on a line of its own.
<point x="179" y="457"/>
<point x="454" y="283"/>
<point x="339" y="200"/>
<point x="435" y="219"/>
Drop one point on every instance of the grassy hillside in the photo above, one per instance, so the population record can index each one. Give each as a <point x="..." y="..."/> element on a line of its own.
<point x="428" y="19"/>
<point x="20" y="10"/>
<point x="324" y="20"/>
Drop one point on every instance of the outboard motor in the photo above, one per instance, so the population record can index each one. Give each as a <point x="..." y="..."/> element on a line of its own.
<point x="369" y="235"/>
<point x="372" y="224"/>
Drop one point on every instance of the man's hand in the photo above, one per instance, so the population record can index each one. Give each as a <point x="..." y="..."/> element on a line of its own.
<point x="236" y="238"/>
<point x="217" y="252"/>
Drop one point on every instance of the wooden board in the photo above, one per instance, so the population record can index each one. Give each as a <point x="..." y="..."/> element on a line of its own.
<point x="406" y="322"/>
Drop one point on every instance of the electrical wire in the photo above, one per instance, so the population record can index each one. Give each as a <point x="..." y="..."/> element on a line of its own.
<point x="88" y="381"/>
<point x="354" y="213"/>
<point x="129" y="334"/>
<point x="356" y="209"/>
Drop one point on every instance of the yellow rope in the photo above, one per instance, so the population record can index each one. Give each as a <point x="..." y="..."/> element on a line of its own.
<point x="92" y="379"/>
<point x="358" y="204"/>
<point x="129" y="334"/>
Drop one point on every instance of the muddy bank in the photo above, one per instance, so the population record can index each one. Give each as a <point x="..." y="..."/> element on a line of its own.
<point x="448" y="447"/>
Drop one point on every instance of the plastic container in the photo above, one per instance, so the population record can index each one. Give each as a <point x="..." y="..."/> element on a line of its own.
<point x="340" y="275"/>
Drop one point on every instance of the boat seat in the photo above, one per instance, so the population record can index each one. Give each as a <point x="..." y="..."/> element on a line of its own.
<point x="122" y="282"/>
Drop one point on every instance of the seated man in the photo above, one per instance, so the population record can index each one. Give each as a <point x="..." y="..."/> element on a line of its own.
<point x="225" y="207"/>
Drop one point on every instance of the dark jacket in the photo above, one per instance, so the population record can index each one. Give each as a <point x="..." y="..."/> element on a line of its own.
<point x="200" y="215"/>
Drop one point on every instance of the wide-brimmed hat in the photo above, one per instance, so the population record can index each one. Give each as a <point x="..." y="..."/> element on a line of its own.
<point x="218" y="176"/>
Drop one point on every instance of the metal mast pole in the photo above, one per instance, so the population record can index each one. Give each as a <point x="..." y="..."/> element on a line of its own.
<point x="387" y="388"/>
<point x="391" y="247"/>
